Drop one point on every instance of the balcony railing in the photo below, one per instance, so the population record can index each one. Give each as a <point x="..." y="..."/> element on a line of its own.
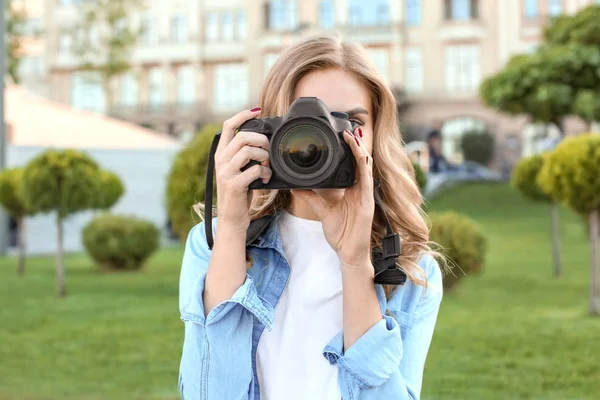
<point x="196" y="110"/>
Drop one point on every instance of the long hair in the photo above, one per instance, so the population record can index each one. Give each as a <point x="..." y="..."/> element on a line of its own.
<point x="392" y="167"/>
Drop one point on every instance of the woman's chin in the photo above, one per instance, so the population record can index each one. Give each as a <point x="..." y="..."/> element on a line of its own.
<point x="332" y="195"/>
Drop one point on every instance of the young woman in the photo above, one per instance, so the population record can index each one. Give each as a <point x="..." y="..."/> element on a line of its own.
<point x="331" y="332"/>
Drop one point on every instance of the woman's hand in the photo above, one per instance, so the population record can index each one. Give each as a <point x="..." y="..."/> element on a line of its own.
<point x="234" y="152"/>
<point x="347" y="221"/>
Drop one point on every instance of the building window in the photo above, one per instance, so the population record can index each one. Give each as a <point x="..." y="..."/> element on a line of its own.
<point x="87" y="92"/>
<point x="212" y="27"/>
<point x="186" y="85"/>
<point x="462" y="67"/>
<point x="149" y="31"/>
<point x="554" y="7"/>
<point x="370" y="13"/>
<point x="230" y="87"/>
<point x="227" y="26"/>
<point x="381" y="59"/>
<point x="155" y="81"/>
<point x="531" y="9"/>
<point x="269" y="60"/>
<point x="178" y="28"/>
<point x="65" y="42"/>
<point x="326" y="14"/>
<point x="129" y="90"/>
<point x="282" y="15"/>
<point x="413" y="12"/>
<point x="414" y="76"/>
<point x="242" y="25"/>
<point x="461" y="10"/>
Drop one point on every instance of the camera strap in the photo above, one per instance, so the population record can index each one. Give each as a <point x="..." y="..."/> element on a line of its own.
<point x="383" y="258"/>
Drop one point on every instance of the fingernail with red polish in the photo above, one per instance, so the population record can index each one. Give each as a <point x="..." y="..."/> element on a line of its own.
<point x="357" y="142"/>
<point x="359" y="132"/>
<point x="256" y="109"/>
<point x="349" y="132"/>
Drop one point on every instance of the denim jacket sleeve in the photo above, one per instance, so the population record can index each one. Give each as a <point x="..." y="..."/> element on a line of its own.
<point x="387" y="362"/>
<point x="216" y="357"/>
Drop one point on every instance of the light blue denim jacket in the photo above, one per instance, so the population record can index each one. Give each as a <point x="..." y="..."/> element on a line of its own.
<point x="219" y="352"/>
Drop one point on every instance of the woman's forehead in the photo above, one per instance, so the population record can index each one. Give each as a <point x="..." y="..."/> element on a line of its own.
<point x="339" y="90"/>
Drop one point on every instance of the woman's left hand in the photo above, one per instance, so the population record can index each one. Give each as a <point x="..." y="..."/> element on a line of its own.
<point x="347" y="220"/>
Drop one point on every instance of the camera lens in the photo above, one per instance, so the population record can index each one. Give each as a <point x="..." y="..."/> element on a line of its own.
<point x="304" y="150"/>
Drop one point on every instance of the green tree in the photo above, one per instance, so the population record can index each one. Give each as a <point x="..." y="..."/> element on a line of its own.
<point x="104" y="40"/>
<point x="64" y="182"/>
<point x="571" y="174"/>
<point x="581" y="30"/>
<point x="524" y="179"/>
<point x="544" y="85"/>
<point x="111" y="190"/>
<point x="187" y="180"/>
<point x="13" y="201"/>
<point x="13" y="34"/>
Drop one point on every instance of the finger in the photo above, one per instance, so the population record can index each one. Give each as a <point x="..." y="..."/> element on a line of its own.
<point x="364" y="164"/>
<point x="233" y="123"/>
<point x="243" y="139"/>
<point x="317" y="203"/>
<point x="253" y="173"/>
<point x="358" y="148"/>
<point x="247" y="154"/>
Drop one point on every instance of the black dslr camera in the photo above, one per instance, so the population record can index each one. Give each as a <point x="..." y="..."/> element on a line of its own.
<point x="307" y="147"/>
<point x="308" y="151"/>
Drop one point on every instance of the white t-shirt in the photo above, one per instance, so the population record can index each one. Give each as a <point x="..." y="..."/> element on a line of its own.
<point x="290" y="362"/>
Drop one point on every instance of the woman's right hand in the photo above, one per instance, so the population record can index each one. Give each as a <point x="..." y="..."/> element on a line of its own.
<point x="234" y="152"/>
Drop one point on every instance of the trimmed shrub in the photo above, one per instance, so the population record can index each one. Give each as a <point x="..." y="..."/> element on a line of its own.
<point x="11" y="194"/>
<point x="524" y="179"/>
<point x="111" y="190"/>
<point x="478" y="146"/>
<point x="13" y="201"/>
<point x="118" y="242"/>
<point x="420" y="177"/>
<point x="462" y="243"/>
<point x="571" y="173"/>
<point x="187" y="180"/>
<point x="65" y="182"/>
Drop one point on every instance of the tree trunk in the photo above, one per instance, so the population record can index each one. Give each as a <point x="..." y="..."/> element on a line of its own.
<point x="60" y="262"/>
<point x="21" y="245"/>
<point x="554" y="214"/>
<point x="594" y="237"/>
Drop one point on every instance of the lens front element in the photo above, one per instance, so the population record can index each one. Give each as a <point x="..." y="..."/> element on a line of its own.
<point x="305" y="151"/>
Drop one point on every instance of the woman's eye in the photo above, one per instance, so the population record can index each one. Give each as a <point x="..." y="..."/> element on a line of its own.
<point x="355" y="123"/>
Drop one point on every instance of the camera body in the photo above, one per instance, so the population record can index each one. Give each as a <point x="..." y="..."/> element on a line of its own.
<point x="306" y="148"/>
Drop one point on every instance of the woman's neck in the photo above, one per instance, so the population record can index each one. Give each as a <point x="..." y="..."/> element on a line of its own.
<point x="301" y="209"/>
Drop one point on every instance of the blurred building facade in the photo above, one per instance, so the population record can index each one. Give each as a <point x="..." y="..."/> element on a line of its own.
<point x="32" y="70"/>
<point x="199" y="61"/>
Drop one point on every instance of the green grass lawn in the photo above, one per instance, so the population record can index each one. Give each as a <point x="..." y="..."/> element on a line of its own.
<point x="515" y="332"/>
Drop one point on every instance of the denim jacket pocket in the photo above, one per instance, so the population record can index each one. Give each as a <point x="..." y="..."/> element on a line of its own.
<point x="404" y="319"/>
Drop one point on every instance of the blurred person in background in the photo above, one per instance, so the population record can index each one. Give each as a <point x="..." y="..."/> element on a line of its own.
<point x="331" y="332"/>
<point x="437" y="161"/>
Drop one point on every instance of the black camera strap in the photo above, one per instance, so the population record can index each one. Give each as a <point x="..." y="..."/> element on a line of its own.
<point x="384" y="258"/>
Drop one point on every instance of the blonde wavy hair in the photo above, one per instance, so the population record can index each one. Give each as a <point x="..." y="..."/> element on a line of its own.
<point x="392" y="167"/>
